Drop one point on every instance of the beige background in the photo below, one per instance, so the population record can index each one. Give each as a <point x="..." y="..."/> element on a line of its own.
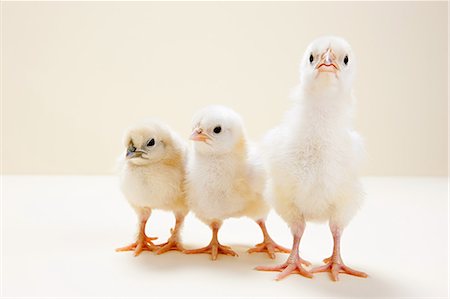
<point x="74" y="75"/>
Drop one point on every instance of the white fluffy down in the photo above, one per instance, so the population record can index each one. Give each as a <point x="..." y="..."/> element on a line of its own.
<point x="224" y="178"/>
<point x="314" y="155"/>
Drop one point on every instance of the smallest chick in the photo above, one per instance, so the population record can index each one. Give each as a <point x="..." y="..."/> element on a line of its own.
<point x="151" y="177"/>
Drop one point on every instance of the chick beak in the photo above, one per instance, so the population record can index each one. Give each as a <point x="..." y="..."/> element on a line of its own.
<point x="328" y="62"/>
<point x="198" y="135"/>
<point x="136" y="154"/>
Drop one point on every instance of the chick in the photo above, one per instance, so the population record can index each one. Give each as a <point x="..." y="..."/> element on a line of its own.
<point x="152" y="177"/>
<point x="225" y="179"/>
<point x="313" y="156"/>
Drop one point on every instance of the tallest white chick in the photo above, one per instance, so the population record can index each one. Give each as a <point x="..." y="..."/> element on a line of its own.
<point x="313" y="156"/>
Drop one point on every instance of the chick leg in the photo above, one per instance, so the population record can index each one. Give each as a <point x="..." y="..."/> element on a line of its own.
<point x="294" y="262"/>
<point x="334" y="264"/>
<point x="214" y="247"/>
<point x="173" y="243"/>
<point x="268" y="245"/>
<point x="143" y="243"/>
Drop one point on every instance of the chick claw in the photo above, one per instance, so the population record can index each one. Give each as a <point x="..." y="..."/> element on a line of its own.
<point x="171" y="244"/>
<point x="214" y="248"/>
<point x="270" y="247"/>
<point x="335" y="267"/>
<point x="289" y="267"/>
<point x="142" y="244"/>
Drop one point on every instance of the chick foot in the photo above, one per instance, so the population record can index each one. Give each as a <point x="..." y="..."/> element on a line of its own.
<point x="214" y="248"/>
<point x="142" y="244"/>
<point x="334" y="263"/>
<point x="268" y="245"/>
<point x="173" y="243"/>
<point x="335" y="266"/>
<point x="292" y="265"/>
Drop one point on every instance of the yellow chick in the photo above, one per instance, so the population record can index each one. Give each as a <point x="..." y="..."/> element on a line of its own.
<point x="152" y="176"/>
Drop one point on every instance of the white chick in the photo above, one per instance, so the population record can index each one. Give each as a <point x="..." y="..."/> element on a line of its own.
<point x="152" y="177"/>
<point x="224" y="179"/>
<point x="313" y="156"/>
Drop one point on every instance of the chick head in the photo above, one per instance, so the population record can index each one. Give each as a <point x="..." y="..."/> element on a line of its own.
<point x="149" y="142"/>
<point x="217" y="130"/>
<point x="328" y="63"/>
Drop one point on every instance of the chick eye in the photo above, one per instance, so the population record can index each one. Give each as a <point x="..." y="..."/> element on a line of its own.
<point x="217" y="130"/>
<point x="346" y="60"/>
<point x="151" y="142"/>
<point x="311" y="58"/>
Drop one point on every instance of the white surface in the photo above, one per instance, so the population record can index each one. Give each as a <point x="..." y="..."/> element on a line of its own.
<point x="59" y="236"/>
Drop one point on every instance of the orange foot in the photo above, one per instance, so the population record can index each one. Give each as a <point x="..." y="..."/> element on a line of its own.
<point x="292" y="265"/>
<point x="143" y="243"/>
<point x="171" y="244"/>
<point x="214" y="248"/>
<point x="270" y="247"/>
<point x="336" y="266"/>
